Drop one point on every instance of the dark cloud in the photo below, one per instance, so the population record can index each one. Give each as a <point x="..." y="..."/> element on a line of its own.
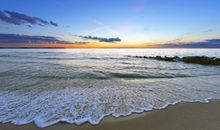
<point x="14" y="38"/>
<point x="177" y="40"/>
<point x="78" y="42"/>
<point x="211" y="43"/>
<point x="29" y="26"/>
<point x="54" y="24"/>
<point x="111" y="40"/>
<point x="15" y="18"/>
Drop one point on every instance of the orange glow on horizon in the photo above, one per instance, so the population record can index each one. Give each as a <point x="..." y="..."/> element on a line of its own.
<point x="147" y="44"/>
<point x="88" y="45"/>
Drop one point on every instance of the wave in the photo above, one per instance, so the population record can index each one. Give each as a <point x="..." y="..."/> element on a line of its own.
<point x="100" y="75"/>
<point x="4" y="56"/>
<point x="80" y="76"/>
<point x="145" y="76"/>
<point x="77" y="114"/>
<point x="81" y="101"/>
<point x="57" y="58"/>
<point x="110" y="75"/>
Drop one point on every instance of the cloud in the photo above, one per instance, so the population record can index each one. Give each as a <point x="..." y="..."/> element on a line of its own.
<point x="111" y="40"/>
<point x="211" y="43"/>
<point x="177" y="40"/>
<point x="16" y="18"/>
<point x="54" y="24"/>
<point x="15" y="38"/>
<point x="78" y="42"/>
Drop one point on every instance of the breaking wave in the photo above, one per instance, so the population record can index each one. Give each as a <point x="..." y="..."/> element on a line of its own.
<point x="51" y="90"/>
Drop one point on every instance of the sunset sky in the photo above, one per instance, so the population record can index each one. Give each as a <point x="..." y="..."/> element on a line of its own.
<point x="109" y="23"/>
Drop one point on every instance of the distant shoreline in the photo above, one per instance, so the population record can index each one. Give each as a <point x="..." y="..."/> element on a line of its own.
<point x="98" y="48"/>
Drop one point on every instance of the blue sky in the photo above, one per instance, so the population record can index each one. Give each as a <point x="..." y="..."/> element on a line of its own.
<point x="145" y="21"/>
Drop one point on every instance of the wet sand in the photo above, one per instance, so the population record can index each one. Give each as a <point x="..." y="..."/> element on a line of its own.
<point x="183" y="116"/>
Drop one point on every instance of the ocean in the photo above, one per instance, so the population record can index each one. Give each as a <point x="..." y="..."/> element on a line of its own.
<point x="46" y="86"/>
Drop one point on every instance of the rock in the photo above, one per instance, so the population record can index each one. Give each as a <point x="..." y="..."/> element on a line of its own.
<point x="203" y="60"/>
<point x="170" y="59"/>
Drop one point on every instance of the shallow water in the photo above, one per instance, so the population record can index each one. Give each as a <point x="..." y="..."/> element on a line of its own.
<point x="79" y="85"/>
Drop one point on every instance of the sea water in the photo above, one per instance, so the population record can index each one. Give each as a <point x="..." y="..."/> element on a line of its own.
<point x="46" y="86"/>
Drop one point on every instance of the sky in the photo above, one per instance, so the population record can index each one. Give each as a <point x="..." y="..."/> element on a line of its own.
<point x="110" y="23"/>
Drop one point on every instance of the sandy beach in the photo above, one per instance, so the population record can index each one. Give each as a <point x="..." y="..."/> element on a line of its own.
<point x="183" y="116"/>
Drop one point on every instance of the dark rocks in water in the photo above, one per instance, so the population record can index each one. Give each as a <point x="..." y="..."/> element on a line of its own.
<point x="139" y="56"/>
<point x="171" y="59"/>
<point x="201" y="60"/>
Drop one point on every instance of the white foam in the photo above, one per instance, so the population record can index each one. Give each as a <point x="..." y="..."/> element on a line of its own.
<point x="80" y="105"/>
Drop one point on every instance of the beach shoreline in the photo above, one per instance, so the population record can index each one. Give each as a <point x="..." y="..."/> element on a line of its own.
<point x="181" y="116"/>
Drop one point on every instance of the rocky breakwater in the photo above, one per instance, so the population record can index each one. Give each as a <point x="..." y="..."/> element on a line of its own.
<point x="203" y="60"/>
